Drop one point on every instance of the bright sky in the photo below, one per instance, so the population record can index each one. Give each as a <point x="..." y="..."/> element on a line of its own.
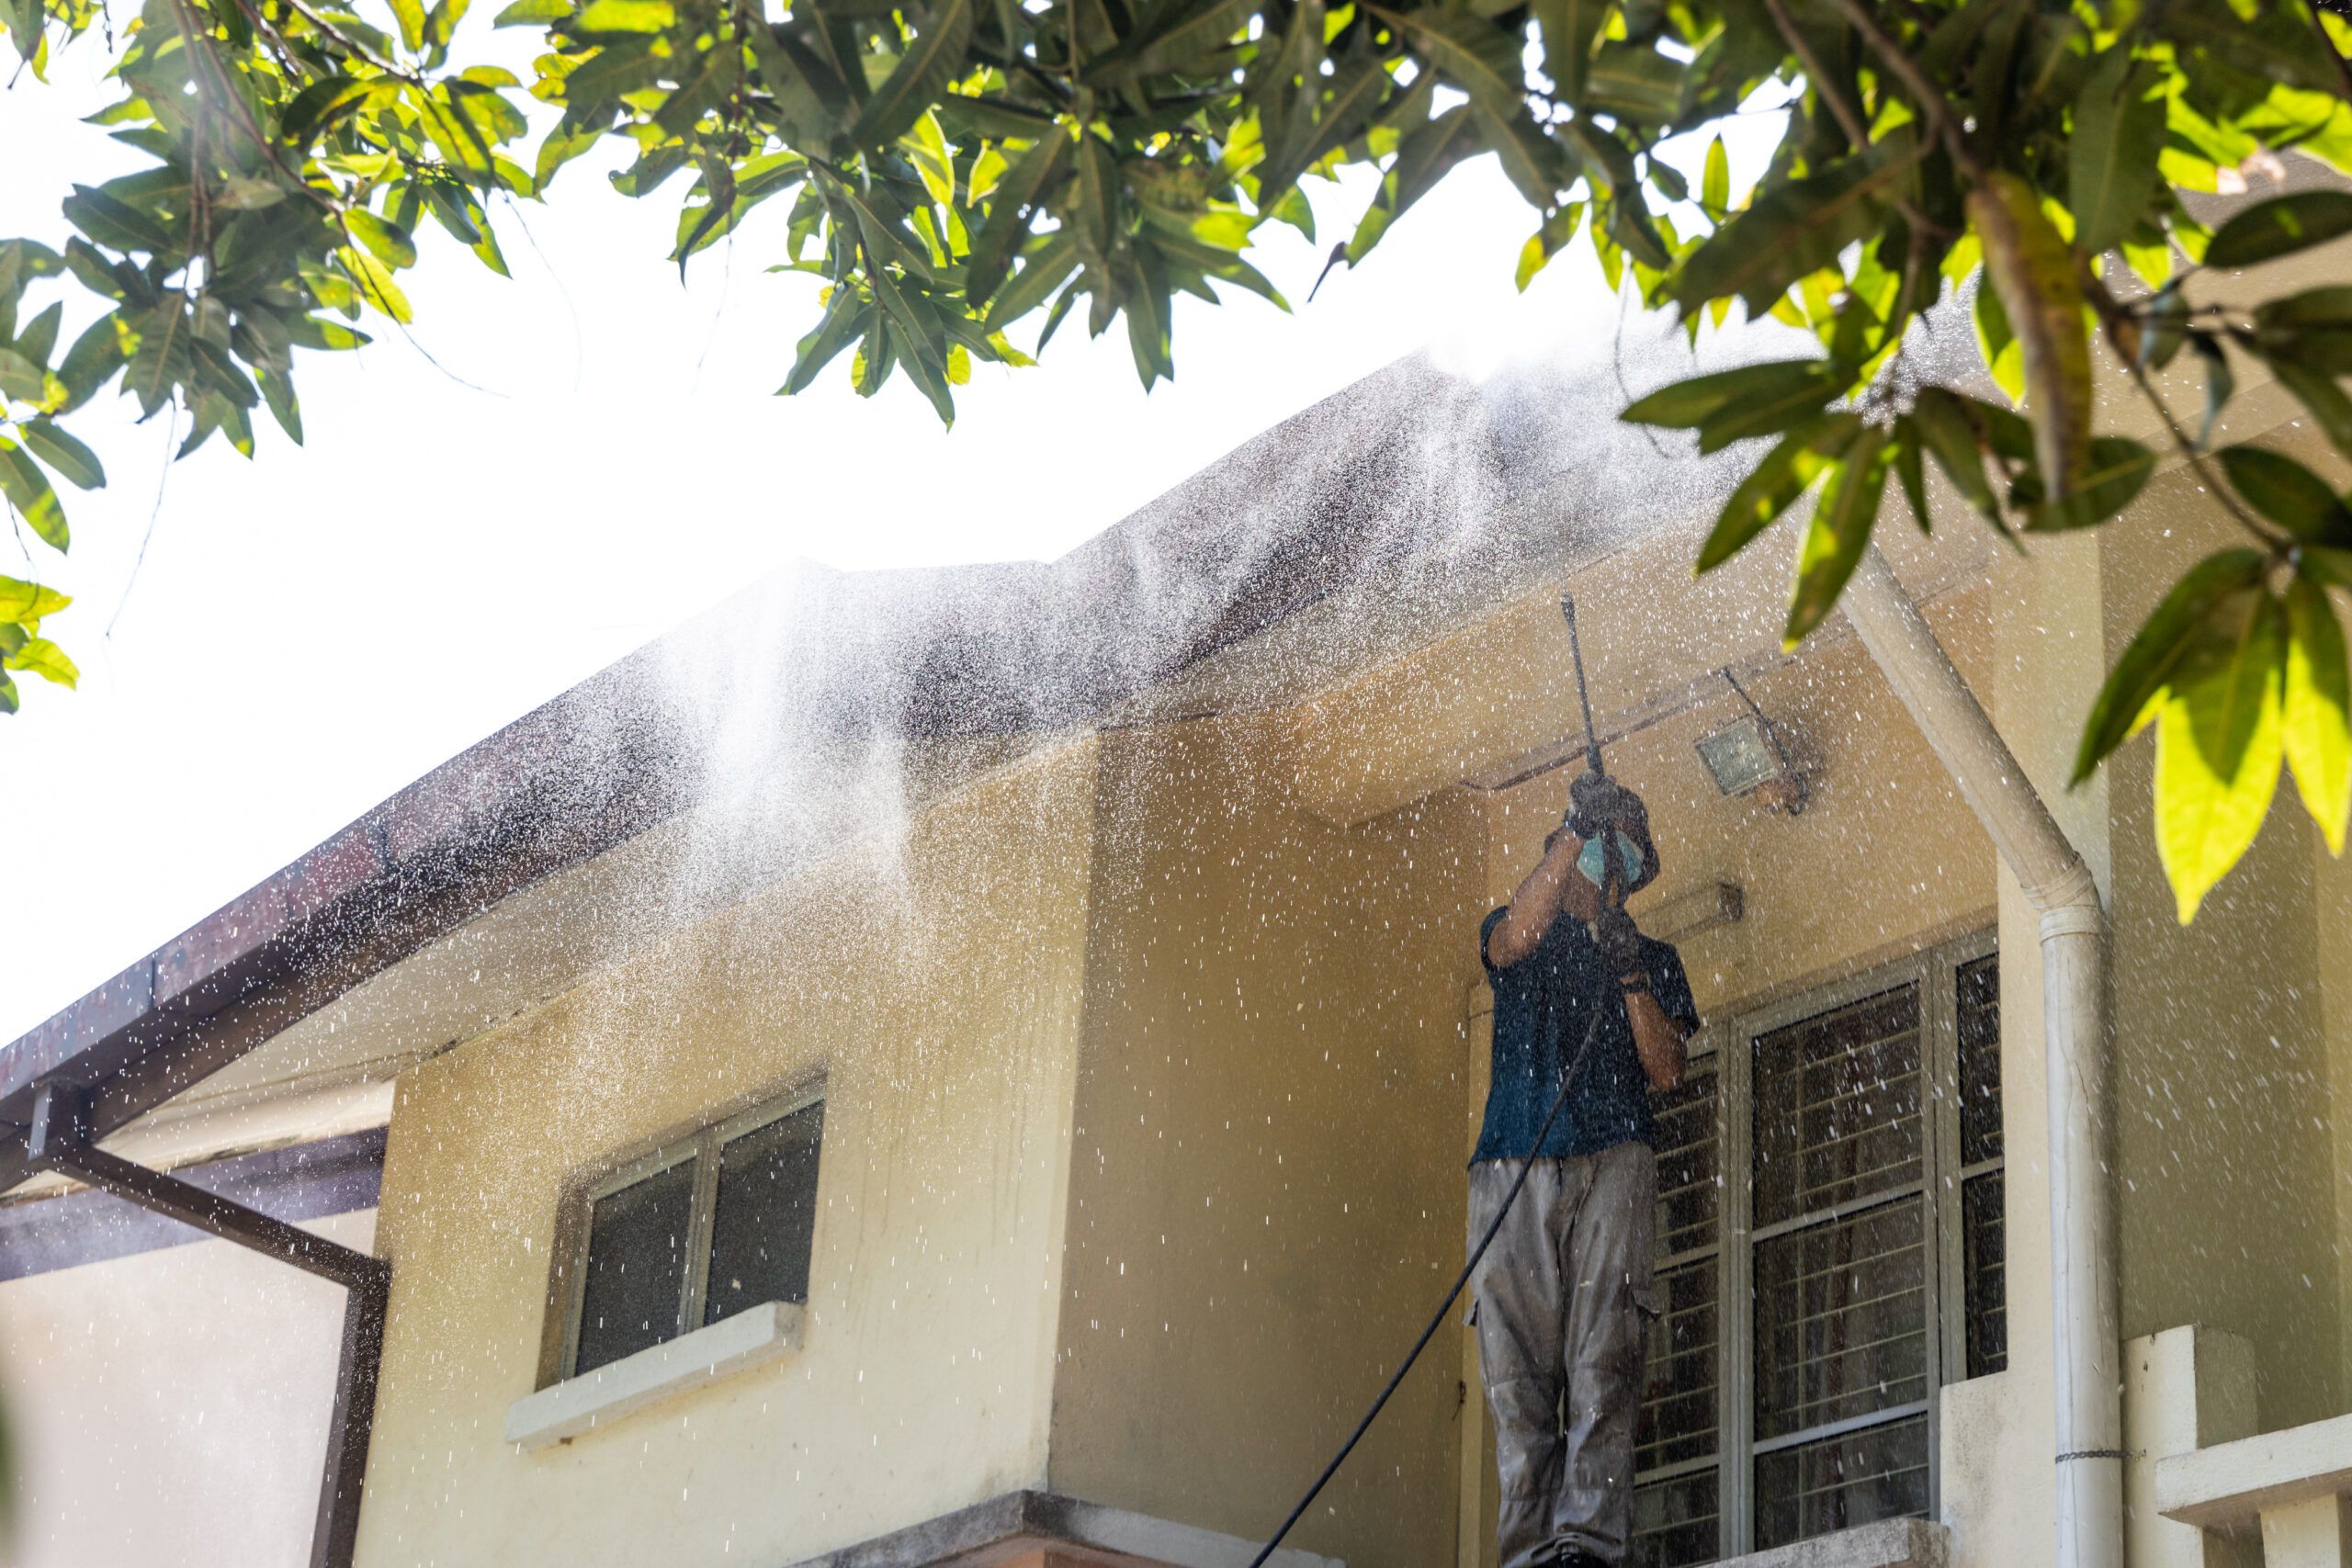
<point x="599" y="458"/>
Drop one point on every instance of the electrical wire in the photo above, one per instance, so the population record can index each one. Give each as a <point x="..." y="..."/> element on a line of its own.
<point x="1567" y="1082"/>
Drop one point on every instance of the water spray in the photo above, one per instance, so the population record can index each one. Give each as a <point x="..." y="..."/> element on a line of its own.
<point x="1612" y="892"/>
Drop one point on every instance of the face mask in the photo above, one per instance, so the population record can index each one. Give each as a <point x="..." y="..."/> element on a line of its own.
<point x="1593" y="861"/>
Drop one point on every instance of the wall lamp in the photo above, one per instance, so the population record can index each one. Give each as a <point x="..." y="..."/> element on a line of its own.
<point x="1746" y="757"/>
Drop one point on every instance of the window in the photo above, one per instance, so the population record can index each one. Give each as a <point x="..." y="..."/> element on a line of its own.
<point x="1829" y="1255"/>
<point x="697" y="1231"/>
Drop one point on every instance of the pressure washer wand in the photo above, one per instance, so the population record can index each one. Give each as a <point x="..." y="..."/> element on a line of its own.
<point x="1584" y="697"/>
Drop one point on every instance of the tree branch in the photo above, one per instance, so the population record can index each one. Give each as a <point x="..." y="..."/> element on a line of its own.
<point x="1929" y="96"/>
<point x="2196" y="459"/>
<point x="1848" y="121"/>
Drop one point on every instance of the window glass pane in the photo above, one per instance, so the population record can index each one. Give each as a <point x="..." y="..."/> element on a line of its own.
<point x="1837" y="1483"/>
<point x="1985" y="1274"/>
<point x="1690" y="1190"/>
<point x="1838" y="1106"/>
<point x="1978" y="987"/>
<point x="766" y="1213"/>
<point x="1840" y="1319"/>
<point x="636" y="1266"/>
<point x="1678" y="1418"/>
<point x="1674" y="1522"/>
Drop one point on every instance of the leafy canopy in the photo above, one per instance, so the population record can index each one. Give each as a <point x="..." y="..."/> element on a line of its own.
<point x="955" y="169"/>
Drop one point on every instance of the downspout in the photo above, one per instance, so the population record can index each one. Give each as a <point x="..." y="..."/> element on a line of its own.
<point x="2074" y="1024"/>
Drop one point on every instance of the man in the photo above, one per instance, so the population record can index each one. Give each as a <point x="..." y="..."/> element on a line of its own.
<point x="1564" y="1299"/>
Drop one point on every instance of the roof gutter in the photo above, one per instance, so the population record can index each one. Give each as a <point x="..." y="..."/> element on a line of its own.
<point x="2075" y="1025"/>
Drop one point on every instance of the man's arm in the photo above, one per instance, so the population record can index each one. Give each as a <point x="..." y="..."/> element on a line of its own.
<point x="1657" y="1038"/>
<point x="1552" y="885"/>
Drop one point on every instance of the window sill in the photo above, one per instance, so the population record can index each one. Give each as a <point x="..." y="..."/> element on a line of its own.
<point x="564" y="1410"/>
<point x="1887" y="1544"/>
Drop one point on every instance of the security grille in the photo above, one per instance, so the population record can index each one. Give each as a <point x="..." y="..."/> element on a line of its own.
<point x="1812" y="1309"/>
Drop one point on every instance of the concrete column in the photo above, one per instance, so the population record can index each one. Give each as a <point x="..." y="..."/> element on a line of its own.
<point x="2313" y="1533"/>
<point x="2184" y="1389"/>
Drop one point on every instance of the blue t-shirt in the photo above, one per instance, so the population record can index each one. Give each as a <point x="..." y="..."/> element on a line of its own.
<point x="1542" y="1006"/>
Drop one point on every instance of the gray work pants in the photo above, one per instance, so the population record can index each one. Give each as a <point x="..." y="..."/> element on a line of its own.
<point x="1564" y="1307"/>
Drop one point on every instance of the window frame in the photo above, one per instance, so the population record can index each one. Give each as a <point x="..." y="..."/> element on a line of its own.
<point x="700" y="1143"/>
<point x="1725" y="1045"/>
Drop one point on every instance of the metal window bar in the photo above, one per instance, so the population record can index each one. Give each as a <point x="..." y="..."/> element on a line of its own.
<point x="1936" y="1101"/>
<point x="702" y="1144"/>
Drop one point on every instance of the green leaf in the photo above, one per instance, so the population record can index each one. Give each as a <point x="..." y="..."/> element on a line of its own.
<point x="410" y="14"/>
<point x="20" y="378"/>
<point x="26" y="604"/>
<point x="1732" y="405"/>
<point x="1027" y="183"/>
<point x="2317" y="711"/>
<point x="60" y="451"/>
<point x="2288" y="494"/>
<point x="532" y="14"/>
<point x="163" y="360"/>
<point x="2118" y="130"/>
<point x="1425" y="157"/>
<point x="1633" y="82"/>
<point x="2126" y="700"/>
<point x="2279" y="227"/>
<point x="38" y="338"/>
<point x="1774" y="485"/>
<point x="1840" y="530"/>
<point x="1028" y="288"/>
<point x="614" y="17"/>
<point x="918" y="76"/>
<point x="317" y="107"/>
<point x="2219" y="383"/>
<point x="1714" y="185"/>
<point x="1189" y="37"/>
<point x="374" y="281"/>
<point x="29" y="490"/>
<point x="392" y="245"/>
<point x="1912" y="471"/>
<point x="1944" y="428"/>
<point x="2219" y="740"/>
<point x="277" y="391"/>
<point x="2116" y="472"/>
<point x="2032" y="271"/>
<point x="2326" y="401"/>
<point x="2313" y="329"/>
<point x="1793" y="229"/>
<point x="116" y="224"/>
<point x="1570" y="28"/>
<point x="1477" y="56"/>
<point x="43" y="658"/>
<point x="95" y="355"/>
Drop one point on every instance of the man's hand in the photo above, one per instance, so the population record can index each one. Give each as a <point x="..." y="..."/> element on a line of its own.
<point x="1596" y="802"/>
<point x="1620" y="941"/>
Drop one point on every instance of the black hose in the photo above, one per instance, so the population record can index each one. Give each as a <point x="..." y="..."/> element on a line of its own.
<point x="1567" y="1082"/>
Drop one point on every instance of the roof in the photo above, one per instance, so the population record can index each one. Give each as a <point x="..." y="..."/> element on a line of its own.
<point x="1393" y="510"/>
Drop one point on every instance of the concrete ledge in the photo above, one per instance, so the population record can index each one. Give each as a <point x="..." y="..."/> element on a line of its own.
<point x="568" y="1408"/>
<point x="2232" y="1483"/>
<point x="1023" y="1529"/>
<point x="1884" y="1543"/>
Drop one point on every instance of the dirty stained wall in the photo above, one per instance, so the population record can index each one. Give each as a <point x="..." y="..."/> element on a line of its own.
<point x="933" y="984"/>
<point x="1266" y="1190"/>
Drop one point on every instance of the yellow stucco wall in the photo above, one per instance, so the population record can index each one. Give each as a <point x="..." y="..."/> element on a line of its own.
<point x="935" y="985"/>
<point x="1266" y="1197"/>
<point x="2226" y="1152"/>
